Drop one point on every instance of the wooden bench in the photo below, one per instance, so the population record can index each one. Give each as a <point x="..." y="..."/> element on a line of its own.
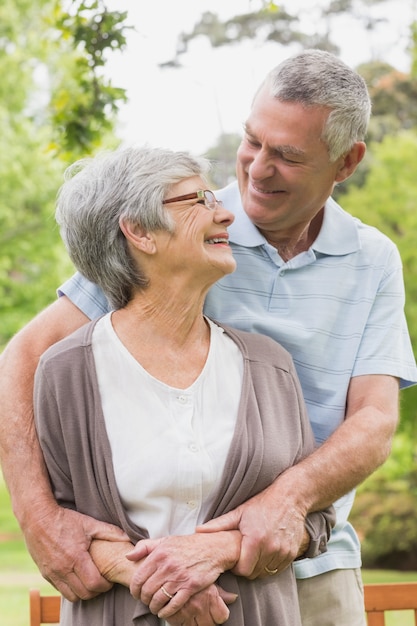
<point x="378" y="599"/>
<point x="43" y="609"/>
<point x="389" y="597"/>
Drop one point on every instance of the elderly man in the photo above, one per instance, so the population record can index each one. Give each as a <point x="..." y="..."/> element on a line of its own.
<point x="320" y="282"/>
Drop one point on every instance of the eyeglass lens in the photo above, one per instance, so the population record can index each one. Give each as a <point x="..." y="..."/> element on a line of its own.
<point x="210" y="200"/>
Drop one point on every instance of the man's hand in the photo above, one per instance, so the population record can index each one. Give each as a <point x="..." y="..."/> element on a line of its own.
<point x="58" y="542"/>
<point x="273" y="534"/>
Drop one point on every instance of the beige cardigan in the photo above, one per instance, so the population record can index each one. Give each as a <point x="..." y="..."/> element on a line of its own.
<point x="272" y="433"/>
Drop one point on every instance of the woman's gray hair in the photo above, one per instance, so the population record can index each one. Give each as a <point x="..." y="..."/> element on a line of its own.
<point x="317" y="78"/>
<point x="128" y="184"/>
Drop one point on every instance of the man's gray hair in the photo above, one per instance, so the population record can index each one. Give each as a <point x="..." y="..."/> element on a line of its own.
<point x="317" y="78"/>
<point x="128" y="184"/>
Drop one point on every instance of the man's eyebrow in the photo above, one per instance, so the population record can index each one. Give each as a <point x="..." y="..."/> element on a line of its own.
<point x="282" y="149"/>
<point x="288" y="149"/>
<point x="247" y="129"/>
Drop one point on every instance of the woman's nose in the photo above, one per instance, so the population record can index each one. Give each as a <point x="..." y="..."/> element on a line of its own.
<point x="223" y="215"/>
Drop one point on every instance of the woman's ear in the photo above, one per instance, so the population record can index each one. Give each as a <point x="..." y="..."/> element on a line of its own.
<point x="138" y="237"/>
<point x="350" y="161"/>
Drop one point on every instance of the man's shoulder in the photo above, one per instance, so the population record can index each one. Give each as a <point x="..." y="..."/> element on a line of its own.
<point x="87" y="296"/>
<point x="230" y="192"/>
<point x="369" y="237"/>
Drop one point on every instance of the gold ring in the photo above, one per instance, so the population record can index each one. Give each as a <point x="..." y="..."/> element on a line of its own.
<point x="271" y="572"/>
<point x="168" y="595"/>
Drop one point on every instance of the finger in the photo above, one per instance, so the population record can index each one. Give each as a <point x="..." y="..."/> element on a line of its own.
<point x="227" y="596"/>
<point x="272" y="569"/>
<point x="249" y="558"/>
<point x="74" y="589"/>
<point x="219" y="611"/>
<point x="229" y="521"/>
<point x="101" y="530"/>
<point x="136" y="587"/>
<point x="145" y="582"/>
<point x="171" y="606"/>
<point x="142" y="549"/>
<point x="63" y="588"/>
<point x="86" y="580"/>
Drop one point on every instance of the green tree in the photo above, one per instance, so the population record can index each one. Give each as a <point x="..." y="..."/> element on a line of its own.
<point x="388" y="201"/>
<point x="223" y="157"/>
<point x="394" y="99"/>
<point x="273" y="21"/>
<point x="384" y="510"/>
<point x="55" y="105"/>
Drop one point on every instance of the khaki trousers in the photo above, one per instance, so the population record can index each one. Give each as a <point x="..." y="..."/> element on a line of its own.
<point x="332" y="599"/>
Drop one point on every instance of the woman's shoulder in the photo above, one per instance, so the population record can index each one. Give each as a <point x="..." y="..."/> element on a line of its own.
<point x="63" y="349"/>
<point x="256" y="346"/>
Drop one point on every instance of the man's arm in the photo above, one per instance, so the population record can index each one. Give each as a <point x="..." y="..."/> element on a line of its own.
<point x="275" y="517"/>
<point x="58" y="539"/>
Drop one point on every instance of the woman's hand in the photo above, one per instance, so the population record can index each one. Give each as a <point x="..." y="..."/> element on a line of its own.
<point x="110" y="559"/>
<point x="177" y="568"/>
<point x="205" y="608"/>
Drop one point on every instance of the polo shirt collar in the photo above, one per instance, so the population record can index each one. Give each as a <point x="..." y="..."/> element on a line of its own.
<point x="338" y="234"/>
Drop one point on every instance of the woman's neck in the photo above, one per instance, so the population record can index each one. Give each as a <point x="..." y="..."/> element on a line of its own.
<point x="166" y="333"/>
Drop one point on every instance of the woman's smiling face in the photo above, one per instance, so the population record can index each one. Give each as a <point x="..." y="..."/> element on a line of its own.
<point x="200" y="242"/>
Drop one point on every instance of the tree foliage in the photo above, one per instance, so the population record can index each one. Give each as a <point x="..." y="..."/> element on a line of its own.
<point x="55" y="105"/>
<point x="384" y="510"/>
<point x="83" y="107"/>
<point x="388" y="201"/>
<point x="274" y="22"/>
<point x="223" y="157"/>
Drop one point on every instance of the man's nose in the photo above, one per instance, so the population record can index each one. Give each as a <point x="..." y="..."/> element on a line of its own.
<point x="261" y="166"/>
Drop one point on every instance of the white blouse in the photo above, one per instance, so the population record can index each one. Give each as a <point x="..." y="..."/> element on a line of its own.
<point x="169" y="445"/>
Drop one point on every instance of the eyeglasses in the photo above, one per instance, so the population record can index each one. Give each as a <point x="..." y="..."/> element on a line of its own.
<point x="203" y="196"/>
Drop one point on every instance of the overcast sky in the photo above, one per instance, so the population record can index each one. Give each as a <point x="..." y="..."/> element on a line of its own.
<point x="189" y="108"/>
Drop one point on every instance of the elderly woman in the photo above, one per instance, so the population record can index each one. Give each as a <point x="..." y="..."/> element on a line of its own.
<point x="155" y="418"/>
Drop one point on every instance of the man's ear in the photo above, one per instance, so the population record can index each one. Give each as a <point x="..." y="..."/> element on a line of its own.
<point x="138" y="237"/>
<point x="350" y="161"/>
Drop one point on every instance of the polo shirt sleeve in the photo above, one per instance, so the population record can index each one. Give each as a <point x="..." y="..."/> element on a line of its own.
<point x="385" y="347"/>
<point x="86" y="296"/>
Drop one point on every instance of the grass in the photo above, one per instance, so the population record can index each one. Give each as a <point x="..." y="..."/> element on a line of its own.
<point x="18" y="574"/>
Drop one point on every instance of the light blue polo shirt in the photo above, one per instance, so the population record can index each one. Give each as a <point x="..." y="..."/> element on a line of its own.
<point x="338" y="308"/>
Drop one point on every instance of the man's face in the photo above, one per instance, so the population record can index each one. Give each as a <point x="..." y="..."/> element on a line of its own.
<point x="283" y="166"/>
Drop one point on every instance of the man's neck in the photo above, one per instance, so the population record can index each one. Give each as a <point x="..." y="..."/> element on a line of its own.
<point x="289" y="246"/>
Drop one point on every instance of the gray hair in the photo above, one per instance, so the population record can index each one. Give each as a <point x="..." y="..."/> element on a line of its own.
<point x="317" y="78"/>
<point x="128" y="184"/>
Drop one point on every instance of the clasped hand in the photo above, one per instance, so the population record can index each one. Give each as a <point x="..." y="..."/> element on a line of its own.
<point x="176" y="579"/>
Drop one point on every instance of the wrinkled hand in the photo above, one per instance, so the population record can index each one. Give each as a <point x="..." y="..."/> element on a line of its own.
<point x="58" y="542"/>
<point x="273" y="534"/>
<point x="180" y="566"/>
<point x="205" y="608"/>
